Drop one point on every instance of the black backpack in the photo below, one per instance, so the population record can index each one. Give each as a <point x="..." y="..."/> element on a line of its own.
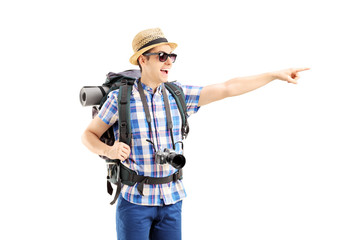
<point x="124" y="81"/>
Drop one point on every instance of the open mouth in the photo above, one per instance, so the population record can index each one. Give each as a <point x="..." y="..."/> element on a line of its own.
<point x="166" y="71"/>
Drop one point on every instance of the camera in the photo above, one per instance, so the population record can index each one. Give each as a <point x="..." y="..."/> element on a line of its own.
<point x="170" y="156"/>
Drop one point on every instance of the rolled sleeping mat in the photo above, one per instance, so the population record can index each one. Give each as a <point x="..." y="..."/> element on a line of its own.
<point x="92" y="95"/>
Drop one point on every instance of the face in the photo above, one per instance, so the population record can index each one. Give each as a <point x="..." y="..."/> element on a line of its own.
<point x="154" y="70"/>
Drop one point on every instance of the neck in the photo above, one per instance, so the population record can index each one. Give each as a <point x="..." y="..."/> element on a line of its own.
<point x="145" y="80"/>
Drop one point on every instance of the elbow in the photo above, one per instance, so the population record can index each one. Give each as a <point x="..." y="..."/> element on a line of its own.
<point x="228" y="90"/>
<point x="83" y="138"/>
<point x="234" y="87"/>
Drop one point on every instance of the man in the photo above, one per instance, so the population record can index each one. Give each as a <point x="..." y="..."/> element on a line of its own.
<point x="154" y="210"/>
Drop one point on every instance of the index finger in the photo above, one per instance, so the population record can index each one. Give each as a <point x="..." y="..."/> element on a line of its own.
<point x="301" y="69"/>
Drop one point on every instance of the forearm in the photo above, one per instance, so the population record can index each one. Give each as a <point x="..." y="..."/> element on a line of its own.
<point x="93" y="143"/>
<point x="233" y="87"/>
<point x="241" y="85"/>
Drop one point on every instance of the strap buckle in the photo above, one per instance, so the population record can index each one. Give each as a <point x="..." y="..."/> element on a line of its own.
<point x="123" y="128"/>
<point x="177" y="92"/>
<point x="176" y="176"/>
<point x="127" y="81"/>
<point x="185" y="130"/>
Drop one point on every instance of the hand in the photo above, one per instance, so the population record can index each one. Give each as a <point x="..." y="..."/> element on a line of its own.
<point x="119" y="151"/>
<point x="290" y="75"/>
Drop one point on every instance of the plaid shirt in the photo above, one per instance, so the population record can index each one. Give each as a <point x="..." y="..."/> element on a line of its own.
<point x="142" y="158"/>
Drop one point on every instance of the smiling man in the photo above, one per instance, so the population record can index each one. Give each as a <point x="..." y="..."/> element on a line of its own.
<point x="155" y="211"/>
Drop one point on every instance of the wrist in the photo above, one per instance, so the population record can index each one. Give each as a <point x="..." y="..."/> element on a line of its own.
<point x="273" y="75"/>
<point x="106" y="151"/>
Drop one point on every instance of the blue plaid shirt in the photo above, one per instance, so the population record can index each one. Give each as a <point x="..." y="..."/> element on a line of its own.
<point x="142" y="158"/>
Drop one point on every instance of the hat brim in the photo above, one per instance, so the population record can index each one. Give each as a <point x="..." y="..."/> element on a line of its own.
<point x="134" y="58"/>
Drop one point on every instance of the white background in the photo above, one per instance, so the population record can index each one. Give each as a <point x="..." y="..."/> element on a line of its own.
<point x="281" y="162"/>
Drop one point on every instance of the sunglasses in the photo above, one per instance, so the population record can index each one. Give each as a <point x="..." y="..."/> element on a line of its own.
<point x="163" y="56"/>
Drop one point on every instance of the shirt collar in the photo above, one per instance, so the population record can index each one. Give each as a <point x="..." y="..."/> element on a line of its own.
<point x="147" y="88"/>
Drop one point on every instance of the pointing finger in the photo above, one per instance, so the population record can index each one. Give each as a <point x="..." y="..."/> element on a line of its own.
<point x="301" y="69"/>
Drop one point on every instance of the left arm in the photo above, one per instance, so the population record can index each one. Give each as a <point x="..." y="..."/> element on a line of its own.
<point x="241" y="85"/>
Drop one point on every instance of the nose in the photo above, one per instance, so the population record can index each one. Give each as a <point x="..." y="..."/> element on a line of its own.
<point x="168" y="61"/>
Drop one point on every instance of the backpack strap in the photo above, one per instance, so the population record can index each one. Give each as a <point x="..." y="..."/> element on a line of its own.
<point x="124" y="110"/>
<point x="124" y="95"/>
<point x="179" y="96"/>
<point x="124" y="121"/>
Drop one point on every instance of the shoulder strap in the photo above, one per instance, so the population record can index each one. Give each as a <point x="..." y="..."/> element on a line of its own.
<point x="124" y="121"/>
<point x="179" y="96"/>
<point x="125" y="89"/>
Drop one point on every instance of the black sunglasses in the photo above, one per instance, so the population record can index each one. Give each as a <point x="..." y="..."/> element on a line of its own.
<point x="163" y="56"/>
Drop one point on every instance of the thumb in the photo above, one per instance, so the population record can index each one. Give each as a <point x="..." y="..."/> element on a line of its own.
<point x="289" y="79"/>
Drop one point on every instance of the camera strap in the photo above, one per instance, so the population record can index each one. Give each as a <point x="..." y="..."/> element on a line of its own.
<point x="168" y="115"/>
<point x="167" y="111"/>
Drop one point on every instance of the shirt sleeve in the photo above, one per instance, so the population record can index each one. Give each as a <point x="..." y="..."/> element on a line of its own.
<point x="108" y="112"/>
<point x="192" y="96"/>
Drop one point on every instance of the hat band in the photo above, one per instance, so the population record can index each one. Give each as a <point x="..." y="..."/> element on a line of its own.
<point x="153" y="42"/>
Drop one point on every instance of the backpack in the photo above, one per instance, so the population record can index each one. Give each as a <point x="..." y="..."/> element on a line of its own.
<point x="124" y="81"/>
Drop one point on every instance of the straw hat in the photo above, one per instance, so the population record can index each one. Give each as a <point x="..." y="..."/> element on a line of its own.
<point x="146" y="40"/>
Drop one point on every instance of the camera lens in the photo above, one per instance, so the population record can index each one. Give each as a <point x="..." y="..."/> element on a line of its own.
<point x="177" y="160"/>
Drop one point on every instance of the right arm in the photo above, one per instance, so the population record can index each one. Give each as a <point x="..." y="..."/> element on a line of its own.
<point x="91" y="139"/>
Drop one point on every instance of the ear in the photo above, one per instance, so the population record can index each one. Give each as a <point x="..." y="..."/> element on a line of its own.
<point x="142" y="59"/>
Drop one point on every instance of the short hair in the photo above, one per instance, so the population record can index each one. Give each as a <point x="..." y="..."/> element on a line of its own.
<point x="147" y="58"/>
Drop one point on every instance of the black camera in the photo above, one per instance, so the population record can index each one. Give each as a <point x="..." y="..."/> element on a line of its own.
<point x="170" y="156"/>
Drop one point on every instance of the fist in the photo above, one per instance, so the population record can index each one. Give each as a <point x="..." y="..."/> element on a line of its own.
<point x="119" y="151"/>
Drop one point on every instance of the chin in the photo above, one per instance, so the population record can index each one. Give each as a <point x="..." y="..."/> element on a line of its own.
<point x="164" y="79"/>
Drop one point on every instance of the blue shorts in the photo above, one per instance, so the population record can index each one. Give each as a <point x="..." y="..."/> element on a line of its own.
<point x="136" y="222"/>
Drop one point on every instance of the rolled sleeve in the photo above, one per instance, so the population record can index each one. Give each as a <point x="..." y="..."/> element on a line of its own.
<point x="109" y="113"/>
<point x="192" y="96"/>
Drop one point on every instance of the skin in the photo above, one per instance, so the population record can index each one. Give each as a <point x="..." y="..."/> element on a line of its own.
<point x="155" y="72"/>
